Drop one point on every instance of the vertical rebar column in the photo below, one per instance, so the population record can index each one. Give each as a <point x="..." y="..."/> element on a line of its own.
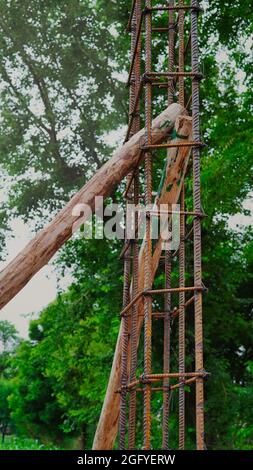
<point x="148" y="244"/>
<point x="181" y="325"/>
<point x="134" y="316"/>
<point x="181" y="319"/>
<point x="197" y="231"/>
<point x="167" y="296"/>
<point x="181" y="53"/>
<point x="171" y="52"/>
<point x="124" y="352"/>
<point x="126" y="283"/>
<point x="166" y="351"/>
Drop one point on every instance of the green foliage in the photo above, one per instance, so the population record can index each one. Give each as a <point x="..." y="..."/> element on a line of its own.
<point x="58" y="98"/>
<point x="8" y="343"/>
<point x="6" y="422"/>
<point x="22" y="443"/>
<point x="8" y="336"/>
<point x="32" y="401"/>
<point x="71" y="347"/>
<point x="62" y="371"/>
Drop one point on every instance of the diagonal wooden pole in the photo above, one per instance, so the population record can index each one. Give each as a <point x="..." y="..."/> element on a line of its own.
<point x="48" y="241"/>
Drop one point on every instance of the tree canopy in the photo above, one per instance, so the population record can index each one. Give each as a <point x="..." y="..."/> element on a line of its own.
<point x="62" y="68"/>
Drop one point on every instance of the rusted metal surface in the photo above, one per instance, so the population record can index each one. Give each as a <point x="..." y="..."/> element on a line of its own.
<point x="170" y="387"/>
<point x="149" y="378"/>
<point x="168" y="259"/>
<point x="181" y="314"/>
<point x="166" y="350"/>
<point x="148" y="242"/>
<point x="175" y="8"/>
<point x="173" y="145"/>
<point x="197" y="231"/>
<point x="182" y="45"/>
<point x="134" y="312"/>
<point x="132" y="187"/>
<point x="181" y="326"/>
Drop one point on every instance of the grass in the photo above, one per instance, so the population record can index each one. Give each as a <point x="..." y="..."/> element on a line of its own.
<point x="24" y="443"/>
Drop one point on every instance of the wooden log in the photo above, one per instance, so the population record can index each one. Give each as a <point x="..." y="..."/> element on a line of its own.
<point x="41" y="249"/>
<point x="176" y="169"/>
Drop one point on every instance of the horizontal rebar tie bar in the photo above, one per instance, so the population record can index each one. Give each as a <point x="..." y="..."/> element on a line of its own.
<point x="151" y="76"/>
<point x="162" y="8"/>
<point x="160" y="291"/>
<point x="173" y="313"/>
<point x="149" y="378"/>
<point x="173" y="290"/>
<point x="170" y="388"/>
<point x="175" y="144"/>
<point x="173" y="8"/>
<point x="169" y="212"/>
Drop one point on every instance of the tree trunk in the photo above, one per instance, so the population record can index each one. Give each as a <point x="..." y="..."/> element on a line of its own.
<point x="4" y="429"/>
<point x="176" y="169"/>
<point x="41" y="249"/>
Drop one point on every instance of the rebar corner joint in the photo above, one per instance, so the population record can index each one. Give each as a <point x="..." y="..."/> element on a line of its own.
<point x="147" y="293"/>
<point x="198" y="76"/>
<point x="145" y="78"/>
<point x="143" y="380"/>
<point x="204" y="374"/>
<point x="147" y="10"/>
<point x="197" y="8"/>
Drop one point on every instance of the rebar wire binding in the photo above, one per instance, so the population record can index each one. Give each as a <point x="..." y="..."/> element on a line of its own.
<point x="137" y="305"/>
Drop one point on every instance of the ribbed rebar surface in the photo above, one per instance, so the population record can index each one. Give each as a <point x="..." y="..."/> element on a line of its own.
<point x="141" y="21"/>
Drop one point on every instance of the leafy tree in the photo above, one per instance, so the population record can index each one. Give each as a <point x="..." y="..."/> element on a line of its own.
<point x="8" y="343"/>
<point x="33" y="407"/>
<point x="8" y="336"/>
<point x="73" y="341"/>
<point x="6" y="388"/>
<point x="58" y="96"/>
<point x="62" y="372"/>
<point x="62" y="66"/>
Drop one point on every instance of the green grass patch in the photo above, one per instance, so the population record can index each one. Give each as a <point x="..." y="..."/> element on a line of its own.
<point x="24" y="443"/>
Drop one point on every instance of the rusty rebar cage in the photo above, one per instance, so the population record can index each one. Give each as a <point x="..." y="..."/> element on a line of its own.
<point x="182" y="42"/>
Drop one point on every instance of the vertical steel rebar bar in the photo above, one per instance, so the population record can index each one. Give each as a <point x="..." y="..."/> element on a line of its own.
<point x="171" y="52"/>
<point x="181" y="319"/>
<point x="135" y="263"/>
<point x="181" y="325"/>
<point x="124" y="352"/>
<point x="167" y="296"/>
<point x="166" y="351"/>
<point x="148" y="243"/>
<point x="197" y="231"/>
<point x="181" y="53"/>
<point x="127" y="277"/>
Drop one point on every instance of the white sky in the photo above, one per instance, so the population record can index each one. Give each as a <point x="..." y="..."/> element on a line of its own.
<point x="40" y="291"/>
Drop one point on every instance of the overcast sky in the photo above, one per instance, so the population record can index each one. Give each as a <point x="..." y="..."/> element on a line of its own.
<point x="39" y="291"/>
